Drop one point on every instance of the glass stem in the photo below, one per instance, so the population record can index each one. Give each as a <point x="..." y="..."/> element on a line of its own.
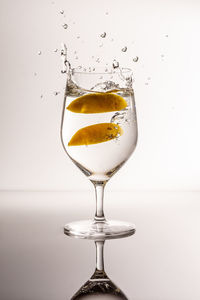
<point x="99" y="192"/>
<point x="99" y="256"/>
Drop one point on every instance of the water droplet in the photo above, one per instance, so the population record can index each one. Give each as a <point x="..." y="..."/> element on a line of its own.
<point x="166" y="35"/>
<point x="76" y="57"/>
<point x="62" y="12"/>
<point x="41" y="96"/>
<point x="101" y="45"/>
<point x="103" y="35"/>
<point x="135" y="59"/>
<point x="93" y="69"/>
<point x="35" y="74"/>
<point x="39" y="52"/>
<point x="98" y="60"/>
<point x="55" y="50"/>
<point x="65" y="26"/>
<point x="56" y="93"/>
<point x="106" y="70"/>
<point x="78" y="37"/>
<point x="115" y="64"/>
<point x="124" y="49"/>
<point x="107" y="13"/>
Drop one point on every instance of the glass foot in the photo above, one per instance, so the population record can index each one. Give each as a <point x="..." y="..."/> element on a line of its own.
<point x="99" y="230"/>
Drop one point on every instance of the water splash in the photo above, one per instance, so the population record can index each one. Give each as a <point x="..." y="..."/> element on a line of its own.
<point x="115" y="64"/>
<point x="65" y="26"/>
<point x="66" y="67"/>
<point x="136" y="58"/>
<point x="103" y="35"/>
<point x="124" y="49"/>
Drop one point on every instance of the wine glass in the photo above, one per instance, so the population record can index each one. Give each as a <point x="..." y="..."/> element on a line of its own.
<point x="99" y="134"/>
<point x="99" y="286"/>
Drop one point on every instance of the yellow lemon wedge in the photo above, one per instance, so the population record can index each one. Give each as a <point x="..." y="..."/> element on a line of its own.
<point x="97" y="103"/>
<point x="94" y="134"/>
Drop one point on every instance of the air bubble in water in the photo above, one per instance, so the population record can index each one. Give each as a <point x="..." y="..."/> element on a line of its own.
<point x="115" y="64"/>
<point x="39" y="52"/>
<point x="62" y="12"/>
<point x="135" y="59"/>
<point x="103" y="35"/>
<point x="124" y="49"/>
<point x="65" y="26"/>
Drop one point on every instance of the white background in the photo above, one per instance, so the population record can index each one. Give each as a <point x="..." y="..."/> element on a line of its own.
<point x="167" y="155"/>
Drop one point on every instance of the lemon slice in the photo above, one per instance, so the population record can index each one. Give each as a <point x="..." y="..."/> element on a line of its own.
<point x="94" y="134"/>
<point x="97" y="103"/>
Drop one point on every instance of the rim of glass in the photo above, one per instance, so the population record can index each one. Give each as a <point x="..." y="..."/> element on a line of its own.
<point x="98" y="72"/>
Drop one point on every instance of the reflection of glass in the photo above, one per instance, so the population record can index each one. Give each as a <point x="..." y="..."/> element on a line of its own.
<point x="99" y="286"/>
<point x="99" y="133"/>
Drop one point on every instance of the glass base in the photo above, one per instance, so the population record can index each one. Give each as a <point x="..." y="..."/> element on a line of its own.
<point x="95" y="230"/>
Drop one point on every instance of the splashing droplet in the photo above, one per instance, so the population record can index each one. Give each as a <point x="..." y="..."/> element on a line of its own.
<point x="62" y="12"/>
<point x="39" y="52"/>
<point x="124" y="49"/>
<point x="135" y="59"/>
<point x="103" y="35"/>
<point x="65" y="26"/>
<point x="55" y="50"/>
<point x="93" y="69"/>
<point x="41" y="96"/>
<point x="98" y="60"/>
<point x="56" y="93"/>
<point x="115" y="64"/>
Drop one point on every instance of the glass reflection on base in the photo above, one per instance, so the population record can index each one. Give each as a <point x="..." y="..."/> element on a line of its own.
<point x="99" y="286"/>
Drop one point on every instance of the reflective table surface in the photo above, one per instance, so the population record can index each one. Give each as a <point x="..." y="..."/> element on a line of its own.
<point x="160" y="261"/>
